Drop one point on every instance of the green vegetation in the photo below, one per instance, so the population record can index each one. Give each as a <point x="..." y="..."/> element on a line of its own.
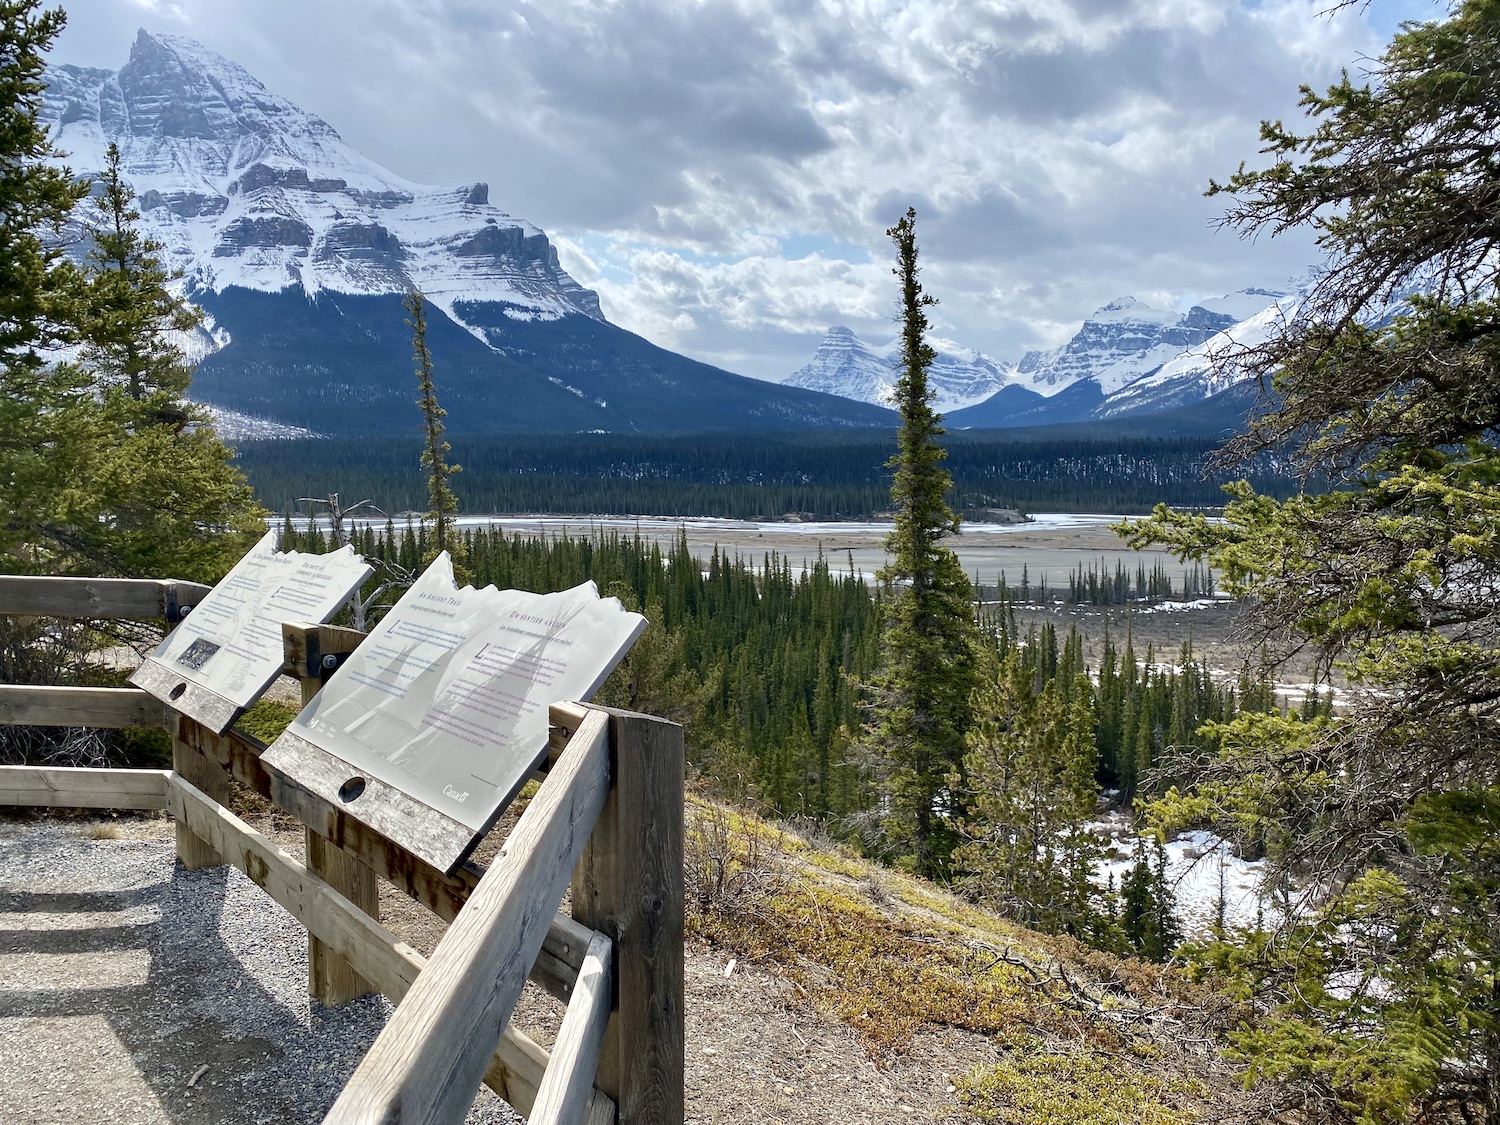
<point x="762" y="666"/>
<point x="441" y="503"/>
<point x="1074" y="1089"/>
<point x="1094" y="585"/>
<point x="40" y="293"/>
<point x="1382" y="999"/>
<point x="106" y="470"/>
<point x="1032" y="766"/>
<point x="266" y="719"/>
<point x="891" y="957"/>
<point x="754" y="476"/>
<point x="1048" y="733"/>
<point x="919" y="696"/>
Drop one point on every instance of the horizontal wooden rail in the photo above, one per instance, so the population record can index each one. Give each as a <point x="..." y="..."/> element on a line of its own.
<point x="568" y="1085"/>
<point x="109" y="708"/>
<point x="70" y="787"/>
<point x="426" y="1064"/>
<point x="556" y="967"/>
<point x="126" y="599"/>
<point x="516" y="1065"/>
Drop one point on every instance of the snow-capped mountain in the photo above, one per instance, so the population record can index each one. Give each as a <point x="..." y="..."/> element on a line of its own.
<point x="300" y="248"/>
<point x="1127" y="358"/>
<point x="1201" y="371"/>
<point x="847" y="366"/>
<point x="1128" y="338"/>
<point x="246" y="189"/>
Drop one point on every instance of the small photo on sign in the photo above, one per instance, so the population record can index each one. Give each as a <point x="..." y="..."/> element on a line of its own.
<point x="228" y="649"/>
<point x="196" y="655"/>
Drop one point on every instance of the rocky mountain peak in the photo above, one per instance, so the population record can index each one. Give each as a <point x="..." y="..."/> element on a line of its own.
<point x="847" y="366"/>
<point x="246" y="189"/>
<point x="175" y="87"/>
<point x="1125" y="340"/>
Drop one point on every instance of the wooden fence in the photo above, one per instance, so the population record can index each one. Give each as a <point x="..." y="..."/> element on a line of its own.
<point x="608" y="816"/>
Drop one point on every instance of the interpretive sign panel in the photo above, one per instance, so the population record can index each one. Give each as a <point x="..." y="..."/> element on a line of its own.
<point x="228" y="650"/>
<point x="435" y="722"/>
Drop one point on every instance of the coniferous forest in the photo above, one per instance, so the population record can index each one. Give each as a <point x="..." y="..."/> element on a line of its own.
<point x="823" y="476"/>
<point x="768" y="667"/>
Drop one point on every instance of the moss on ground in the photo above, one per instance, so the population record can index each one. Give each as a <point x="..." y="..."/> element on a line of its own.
<point x="891" y="956"/>
<point x="1076" y="1089"/>
<point x="266" y="719"/>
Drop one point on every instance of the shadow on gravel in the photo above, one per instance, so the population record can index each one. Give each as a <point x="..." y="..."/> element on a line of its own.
<point x="200" y="972"/>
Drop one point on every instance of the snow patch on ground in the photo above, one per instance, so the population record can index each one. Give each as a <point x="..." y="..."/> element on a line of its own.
<point x="1199" y="864"/>
<point x="232" y="426"/>
<point x="1178" y="607"/>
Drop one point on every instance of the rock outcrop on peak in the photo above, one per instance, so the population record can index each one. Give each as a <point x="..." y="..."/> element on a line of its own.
<point x="848" y="366"/>
<point x="1126" y="358"/>
<point x="301" y="249"/>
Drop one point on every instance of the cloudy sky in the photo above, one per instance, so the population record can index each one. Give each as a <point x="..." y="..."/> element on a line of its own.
<point x="723" y="172"/>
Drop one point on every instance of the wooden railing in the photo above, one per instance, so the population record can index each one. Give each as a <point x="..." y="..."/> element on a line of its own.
<point x="607" y="816"/>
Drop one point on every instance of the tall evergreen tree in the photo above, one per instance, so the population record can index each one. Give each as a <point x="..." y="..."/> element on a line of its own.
<point x="105" y="469"/>
<point x="922" y="692"/>
<point x="41" y="429"/>
<point x="1381" y="1001"/>
<point x="441" y="503"/>
<point x="162" y="497"/>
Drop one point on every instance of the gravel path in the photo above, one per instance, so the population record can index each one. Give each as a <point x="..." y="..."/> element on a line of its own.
<point x="133" y="992"/>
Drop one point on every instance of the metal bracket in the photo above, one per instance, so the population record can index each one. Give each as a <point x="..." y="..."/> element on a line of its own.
<point x="172" y="608"/>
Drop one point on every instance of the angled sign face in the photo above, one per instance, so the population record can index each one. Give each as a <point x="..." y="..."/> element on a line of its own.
<point x="228" y="650"/>
<point x="434" y="723"/>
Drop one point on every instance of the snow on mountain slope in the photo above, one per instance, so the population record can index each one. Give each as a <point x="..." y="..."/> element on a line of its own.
<point x="246" y="189"/>
<point x="1136" y="357"/>
<point x="1118" y="344"/>
<point x="1243" y="304"/>
<point x="847" y="366"/>
<point x="1200" y="371"/>
<point x="233" y="426"/>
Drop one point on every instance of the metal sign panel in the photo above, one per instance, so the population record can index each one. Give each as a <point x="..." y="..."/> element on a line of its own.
<point x="228" y="650"/>
<point x="435" y="722"/>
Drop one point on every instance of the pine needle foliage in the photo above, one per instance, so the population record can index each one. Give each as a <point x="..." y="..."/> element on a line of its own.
<point x="1380" y="994"/>
<point x="40" y="292"/>
<point x="105" y="469"/>
<point x="38" y="286"/>
<point x="441" y="503"/>
<point x="167" y="496"/>
<point x="920" y="698"/>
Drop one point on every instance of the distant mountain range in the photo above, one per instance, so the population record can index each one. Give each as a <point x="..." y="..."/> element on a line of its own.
<point x="300" y="249"/>
<point x="1128" y="358"/>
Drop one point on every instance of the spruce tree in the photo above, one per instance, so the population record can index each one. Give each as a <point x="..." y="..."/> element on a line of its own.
<point x="441" y="503"/>
<point x="1379" y="999"/>
<point x="162" y="496"/>
<point x="1030" y="765"/>
<point x="104" y="469"/>
<point x="42" y="431"/>
<point x="922" y="692"/>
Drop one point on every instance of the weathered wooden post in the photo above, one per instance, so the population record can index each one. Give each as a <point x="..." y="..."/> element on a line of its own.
<point x="628" y="885"/>
<point x="193" y="851"/>
<point x="609" y="814"/>
<point x="330" y="978"/>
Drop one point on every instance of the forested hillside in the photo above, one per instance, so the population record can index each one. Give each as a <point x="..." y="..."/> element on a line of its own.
<point x="767" y="667"/>
<point x="828" y="476"/>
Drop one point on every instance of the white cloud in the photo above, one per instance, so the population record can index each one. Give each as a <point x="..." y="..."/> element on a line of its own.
<point x="1056" y="152"/>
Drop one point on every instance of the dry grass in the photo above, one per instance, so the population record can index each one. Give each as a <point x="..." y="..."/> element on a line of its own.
<point x="1066" y="1034"/>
